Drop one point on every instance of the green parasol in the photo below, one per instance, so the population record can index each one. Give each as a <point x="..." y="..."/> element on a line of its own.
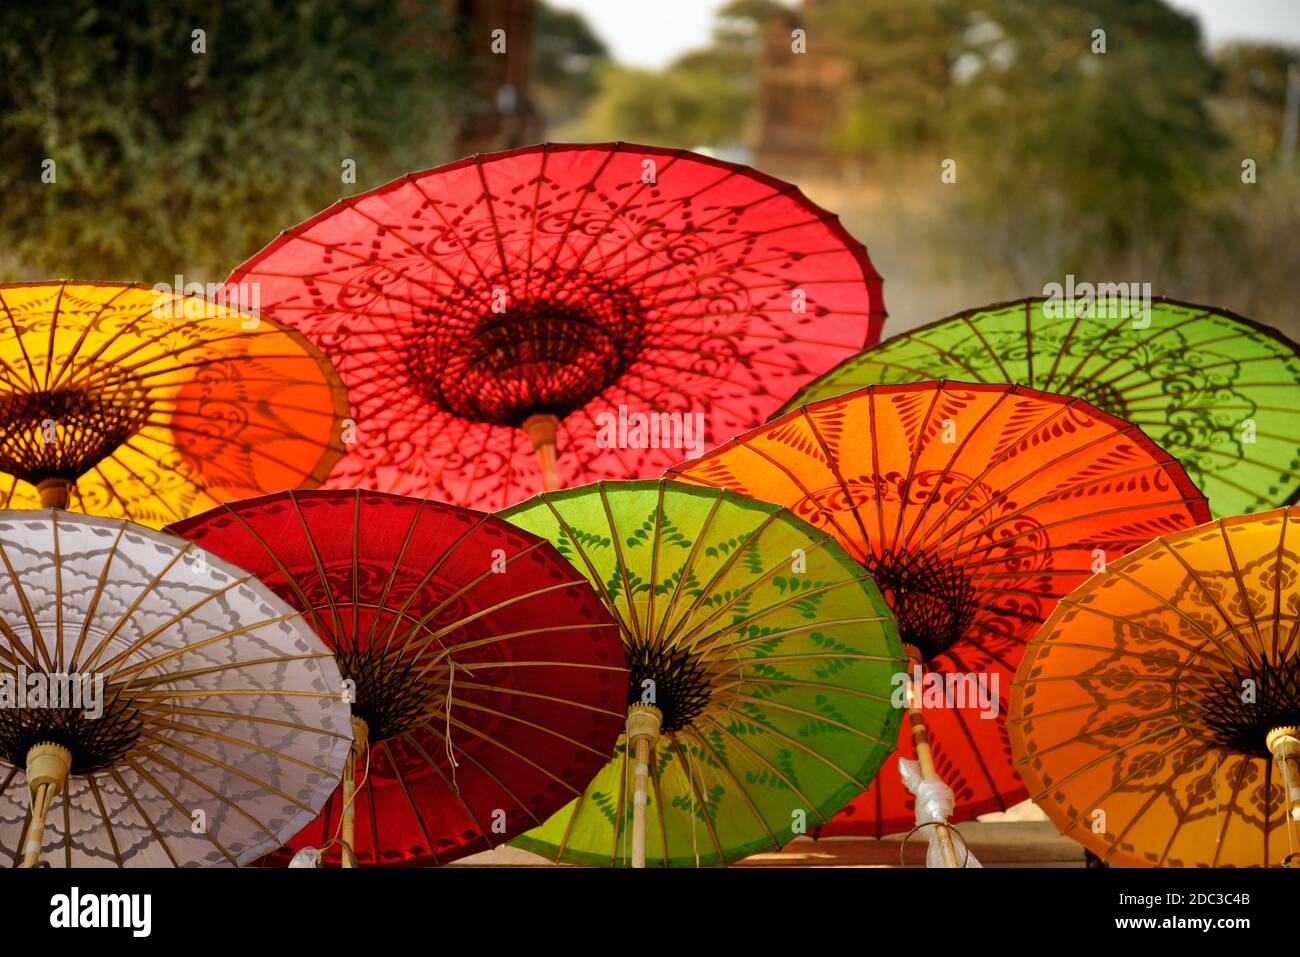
<point x="760" y="661"/>
<point x="1214" y="389"/>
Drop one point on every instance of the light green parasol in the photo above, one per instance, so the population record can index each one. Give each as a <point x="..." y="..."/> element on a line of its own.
<point x="760" y="662"/>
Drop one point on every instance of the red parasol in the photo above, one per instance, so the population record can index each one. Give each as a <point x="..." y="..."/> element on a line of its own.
<point x="609" y="302"/>
<point x="489" y="679"/>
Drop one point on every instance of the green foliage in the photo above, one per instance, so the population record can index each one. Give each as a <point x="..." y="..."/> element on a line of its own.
<point x="1105" y="146"/>
<point x="1251" y="96"/>
<point x="1116" y="144"/>
<point x="702" y="99"/>
<point x="174" y="161"/>
<point x="686" y="107"/>
<point x="566" y="54"/>
<point x="897" y="61"/>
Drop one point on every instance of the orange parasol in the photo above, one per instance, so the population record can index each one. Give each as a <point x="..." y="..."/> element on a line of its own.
<point x="1156" y="715"/>
<point x="974" y="506"/>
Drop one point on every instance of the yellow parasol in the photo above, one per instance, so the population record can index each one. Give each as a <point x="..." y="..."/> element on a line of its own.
<point x="122" y="401"/>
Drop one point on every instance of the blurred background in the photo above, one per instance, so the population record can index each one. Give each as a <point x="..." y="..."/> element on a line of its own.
<point x="185" y="135"/>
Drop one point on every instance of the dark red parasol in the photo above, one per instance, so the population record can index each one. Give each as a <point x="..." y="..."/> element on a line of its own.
<point x="615" y="304"/>
<point x="489" y="677"/>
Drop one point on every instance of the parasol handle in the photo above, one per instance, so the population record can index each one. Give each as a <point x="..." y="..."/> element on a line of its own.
<point x="54" y="492"/>
<point x="360" y="734"/>
<point x="643" y="723"/>
<point x="541" y="431"/>
<point x="1284" y="744"/>
<point x="47" y="773"/>
<point x="925" y="757"/>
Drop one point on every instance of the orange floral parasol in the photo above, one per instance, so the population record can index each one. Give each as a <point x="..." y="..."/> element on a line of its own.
<point x="1156" y="715"/>
<point x="974" y="506"/>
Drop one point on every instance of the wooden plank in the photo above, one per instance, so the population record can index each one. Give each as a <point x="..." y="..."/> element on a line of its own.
<point x="995" y="843"/>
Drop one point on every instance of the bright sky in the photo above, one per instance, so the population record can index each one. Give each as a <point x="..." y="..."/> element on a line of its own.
<point x="652" y="34"/>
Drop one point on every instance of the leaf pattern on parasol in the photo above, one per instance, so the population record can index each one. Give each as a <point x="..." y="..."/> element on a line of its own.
<point x="766" y="650"/>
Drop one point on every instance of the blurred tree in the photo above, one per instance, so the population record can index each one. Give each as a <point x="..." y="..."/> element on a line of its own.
<point x="899" y="60"/>
<point x="566" y="56"/>
<point x="1115" y="147"/>
<point x="1252" y="94"/>
<point x="1096" y="112"/>
<point x="675" y="107"/>
<point x="169" y="159"/>
<point x="702" y="99"/>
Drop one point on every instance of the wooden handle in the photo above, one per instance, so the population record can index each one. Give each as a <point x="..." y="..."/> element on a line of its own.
<point x="640" y="796"/>
<point x="925" y="757"/>
<point x="349" y="809"/>
<point x="47" y="773"/>
<point x="541" y="431"/>
<point x="643" y="724"/>
<point x="1284" y="744"/>
<point x="360" y="741"/>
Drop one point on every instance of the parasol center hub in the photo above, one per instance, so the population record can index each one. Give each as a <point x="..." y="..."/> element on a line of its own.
<point x="549" y="355"/>
<point x="1252" y="707"/>
<point x="62" y="433"/>
<point x="932" y="598"/>
<point x="541" y="430"/>
<point x="644" y="721"/>
<point x="48" y="765"/>
<point x="360" y="734"/>
<point x="92" y="742"/>
<point x="391" y="696"/>
<point x="668" y="682"/>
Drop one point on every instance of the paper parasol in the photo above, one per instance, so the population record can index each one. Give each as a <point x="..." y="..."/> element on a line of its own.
<point x="975" y="507"/>
<point x="129" y="403"/>
<point x="1156" y="714"/>
<point x="162" y="707"/>
<point x="488" y="677"/>
<point x="760" y="658"/>
<point x="1214" y="389"/>
<point x="494" y="314"/>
